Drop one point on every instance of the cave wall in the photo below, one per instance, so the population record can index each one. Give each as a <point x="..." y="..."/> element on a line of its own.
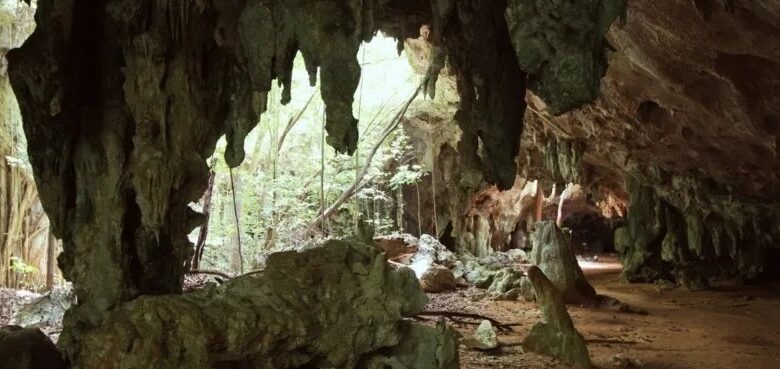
<point x="688" y="108"/>
<point x="684" y="131"/>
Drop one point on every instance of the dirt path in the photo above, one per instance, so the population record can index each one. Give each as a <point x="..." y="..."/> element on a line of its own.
<point x="727" y="328"/>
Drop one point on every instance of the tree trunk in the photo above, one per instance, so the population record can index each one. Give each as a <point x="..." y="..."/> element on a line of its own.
<point x="419" y="210"/>
<point x="236" y="254"/>
<point x="204" y="229"/>
<point x="400" y="213"/>
<point x="51" y="261"/>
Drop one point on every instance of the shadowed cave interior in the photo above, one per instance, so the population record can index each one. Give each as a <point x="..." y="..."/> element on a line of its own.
<point x="389" y="184"/>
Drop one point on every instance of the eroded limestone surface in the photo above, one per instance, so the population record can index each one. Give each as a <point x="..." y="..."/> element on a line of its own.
<point x="553" y="254"/>
<point x="333" y="306"/>
<point x="555" y="335"/>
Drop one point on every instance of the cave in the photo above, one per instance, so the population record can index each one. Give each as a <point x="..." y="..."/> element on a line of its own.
<point x="389" y="184"/>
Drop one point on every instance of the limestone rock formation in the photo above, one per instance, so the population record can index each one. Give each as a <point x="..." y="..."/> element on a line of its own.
<point x="497" y="220"/>
<point x="421" y="347"/>
<point x="561" y="46"/>
<point x="501" y="282"/>
<point x="684" y="131"/>
<point x="46" y="310"/>
<point x="555" y="335"/>
<point x="553" y="254"/>
<point x="429" y="248"/>
<point x="332" y="306"/>
<point x="427" y="257"/>
<point x="28" y="349"/>
<point x="484" y="338"/>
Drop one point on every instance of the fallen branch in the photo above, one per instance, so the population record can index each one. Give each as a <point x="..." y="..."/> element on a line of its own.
<point x="453" y="315"/>
<point x="348" y="193"/>
<point x="210" y="272"/>
<point x="251" y="272"/>
<point x="294" y="119"/>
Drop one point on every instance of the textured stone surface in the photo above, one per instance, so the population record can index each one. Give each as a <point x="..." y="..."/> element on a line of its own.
<point x="688" y="109"/>
<point x="483" y="338"/>
<point x="332" y="306"/>
<point x="421" y="347"/>
<point x="501" y="282"/>
<point x="436" y="278"/>
<point x="560" y="44"/>
<point x="27" y="349"/>
<point x="47" y="310"/>
<point x="555" y="335"/>
<point x="553" y="254"/>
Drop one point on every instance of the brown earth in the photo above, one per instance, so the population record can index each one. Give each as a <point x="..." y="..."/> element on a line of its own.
<point x="724" y="328"/>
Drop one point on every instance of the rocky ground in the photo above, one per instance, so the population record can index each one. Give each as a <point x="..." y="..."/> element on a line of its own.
<point x="663" y="328"/>
<point x="30" y="309"/>
<point x="723" y="328"/>
<point x="11" y="301"/>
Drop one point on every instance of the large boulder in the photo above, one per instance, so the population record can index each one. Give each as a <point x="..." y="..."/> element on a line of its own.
<point x="27" y="349"/>
<point x="552" y="253"/>
<point x="555" y="335"/>
<point x="431" y="261"/>
<point x="332" y="306"/>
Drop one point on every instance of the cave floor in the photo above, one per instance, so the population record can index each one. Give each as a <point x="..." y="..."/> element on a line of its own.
<point x="724" y="328"/>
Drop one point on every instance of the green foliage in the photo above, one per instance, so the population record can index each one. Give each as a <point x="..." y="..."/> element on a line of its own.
<point x="25" y="273"/>
<point x="406" y="174"/>
<point x="20" y="267"/>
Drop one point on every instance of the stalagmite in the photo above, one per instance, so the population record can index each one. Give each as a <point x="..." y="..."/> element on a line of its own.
<point x="555" y="335"/>
<point x="552" y="253"/>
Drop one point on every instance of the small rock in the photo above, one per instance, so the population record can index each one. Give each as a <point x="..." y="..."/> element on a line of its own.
<point x="623" y="362"/>
<point x="662" y="285"/>
<point x="484" y="338"/>
<point x="437" y="278"/>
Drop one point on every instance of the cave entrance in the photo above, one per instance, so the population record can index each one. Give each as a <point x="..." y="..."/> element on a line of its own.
<point x="28" y="249"/>
<point x="293" y="190"/>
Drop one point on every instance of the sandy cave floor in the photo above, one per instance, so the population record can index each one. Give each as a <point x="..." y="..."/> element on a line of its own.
<point x="725" y="328"/>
